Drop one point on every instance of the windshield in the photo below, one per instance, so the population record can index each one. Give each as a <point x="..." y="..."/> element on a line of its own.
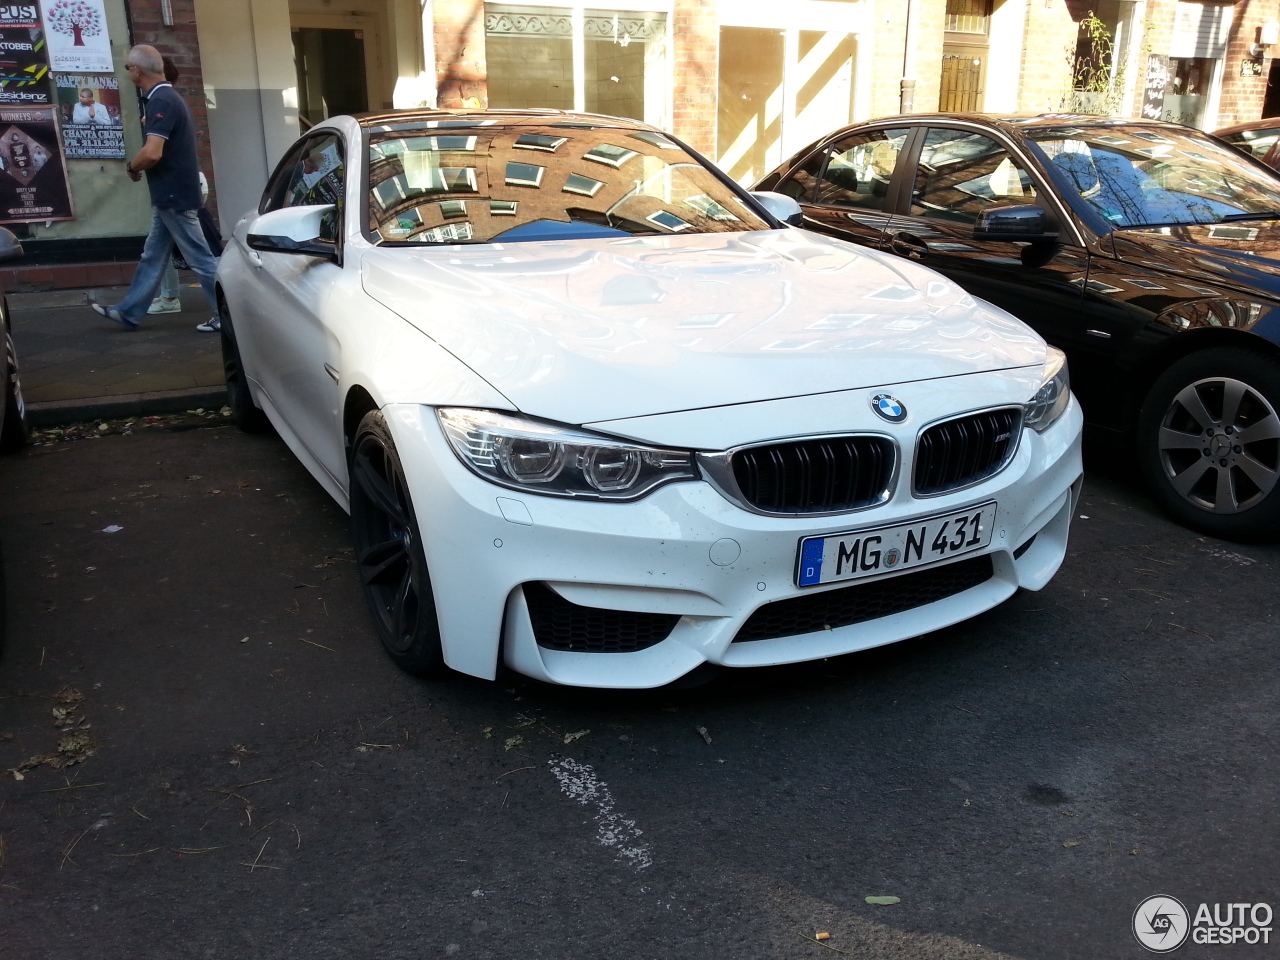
<point x="1136" y="177"/>
<point x="468" y="181"/>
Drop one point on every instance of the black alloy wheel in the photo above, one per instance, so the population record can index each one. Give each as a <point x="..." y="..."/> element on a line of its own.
<point x="388" y="552"/>
<point x="14" y="430"/>
<point x="1209" y="443"/>
<point x="244" y="413"/>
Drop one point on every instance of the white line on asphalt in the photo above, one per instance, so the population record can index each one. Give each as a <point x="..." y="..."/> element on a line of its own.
<point x="578" y="781"/>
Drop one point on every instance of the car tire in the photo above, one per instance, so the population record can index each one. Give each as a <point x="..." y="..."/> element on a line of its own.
<point x="14" y="429"/>
<point x="388" y="552"/>
<point x="1209" y="443"/>
<point x="244" y="412"/>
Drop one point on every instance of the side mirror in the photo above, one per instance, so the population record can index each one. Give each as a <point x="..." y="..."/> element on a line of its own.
<point x="302" y="229"/>
<point x="1015" y="221"/>
<point x="10" y="248"/>
<point x="780" y="206"/>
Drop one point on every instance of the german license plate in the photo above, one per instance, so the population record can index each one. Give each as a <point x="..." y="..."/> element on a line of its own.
<point x="869" y="553"/>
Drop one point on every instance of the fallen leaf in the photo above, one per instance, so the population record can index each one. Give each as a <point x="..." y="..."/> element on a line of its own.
<point x="578" y="735"/>
<point x="1071" y="843"/>
<point x="513" y="742"/>
<point x="882" y="901"/>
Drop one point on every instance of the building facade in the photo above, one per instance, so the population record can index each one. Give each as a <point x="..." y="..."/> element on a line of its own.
<point x="746" y="82"/>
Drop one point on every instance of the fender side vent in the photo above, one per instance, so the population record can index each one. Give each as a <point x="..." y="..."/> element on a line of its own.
<point x="561" y="625"/>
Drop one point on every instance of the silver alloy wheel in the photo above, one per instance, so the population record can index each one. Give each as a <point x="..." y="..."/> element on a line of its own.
<point x="1219" y="445"/>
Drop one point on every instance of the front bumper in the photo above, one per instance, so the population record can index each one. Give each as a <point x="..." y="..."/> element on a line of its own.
<point x="667" y="553"/>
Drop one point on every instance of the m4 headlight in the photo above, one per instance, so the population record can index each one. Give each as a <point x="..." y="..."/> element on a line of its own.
<point x="1054" y="394"/>
<point x="558" y="461"/>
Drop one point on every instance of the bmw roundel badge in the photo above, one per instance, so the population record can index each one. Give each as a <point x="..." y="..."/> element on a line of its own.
<point x="889" y="408"/>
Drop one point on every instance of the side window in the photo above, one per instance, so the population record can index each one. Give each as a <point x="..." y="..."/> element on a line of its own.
<point x="800" y="182"/>
<point x="278" y="186"/>
<point x="317" y="177"/>
<point x="962" y="173"/>
<point x="1258" y="143"/>
<point x="859" y="168"/>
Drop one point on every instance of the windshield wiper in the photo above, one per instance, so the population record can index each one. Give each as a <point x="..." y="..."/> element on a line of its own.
<point x="1273" y="215"/>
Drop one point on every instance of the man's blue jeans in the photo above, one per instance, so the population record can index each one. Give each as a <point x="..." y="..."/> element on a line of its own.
<point x="167" y="228"/>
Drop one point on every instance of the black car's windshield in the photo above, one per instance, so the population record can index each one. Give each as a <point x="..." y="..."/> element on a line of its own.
<point x="1156" y="176"/>
<point x="472" y="181"/>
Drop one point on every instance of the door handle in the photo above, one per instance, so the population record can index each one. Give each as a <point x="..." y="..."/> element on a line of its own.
<point x="908" y="245"/>
<point x="255" y="258"/>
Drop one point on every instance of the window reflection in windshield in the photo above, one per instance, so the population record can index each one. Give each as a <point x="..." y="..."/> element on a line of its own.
<point x="1137" y="177"/>
<point x="455" y="181"/>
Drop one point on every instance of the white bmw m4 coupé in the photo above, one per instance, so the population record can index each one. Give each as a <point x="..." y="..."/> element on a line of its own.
<point x="599" y="414"/>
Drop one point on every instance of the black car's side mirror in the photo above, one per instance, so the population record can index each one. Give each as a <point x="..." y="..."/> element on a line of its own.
<point x="10" y="248"/>
<point x="1015" y="221"/>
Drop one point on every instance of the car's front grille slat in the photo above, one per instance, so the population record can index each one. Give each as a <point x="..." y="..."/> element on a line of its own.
<point x="861" y="602"/>
<point x="965" y="451"/>
<point x="826" y="475"/>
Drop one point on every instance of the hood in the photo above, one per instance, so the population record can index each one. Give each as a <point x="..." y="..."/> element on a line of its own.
<point x="1243" y="254"/>
<point x="589" y="330"/>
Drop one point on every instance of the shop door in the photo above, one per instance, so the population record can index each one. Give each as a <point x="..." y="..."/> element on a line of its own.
<point x="331" y="73"/>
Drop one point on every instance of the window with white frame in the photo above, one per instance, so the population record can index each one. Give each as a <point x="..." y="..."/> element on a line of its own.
<point x="577" y="58"/>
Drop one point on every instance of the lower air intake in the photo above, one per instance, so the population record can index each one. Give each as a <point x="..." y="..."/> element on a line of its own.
<point x="561" y="625"/>
<point x="865" y="601"/>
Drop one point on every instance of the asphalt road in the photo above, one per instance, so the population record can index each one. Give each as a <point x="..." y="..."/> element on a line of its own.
<point x="256" y="780"/>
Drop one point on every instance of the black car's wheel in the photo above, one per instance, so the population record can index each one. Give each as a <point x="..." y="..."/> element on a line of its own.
<point x="14" y="431"/>
<point x="246" y="415"/>
<point x="1209" y="443"/>
<point x="388" y="551"/>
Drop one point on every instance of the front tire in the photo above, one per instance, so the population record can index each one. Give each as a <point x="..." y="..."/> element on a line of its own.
<point x="1209" y="443"/>
<point x="14" y="429"/>
<point x="388" y="552"/>
<point x="244" y="412"/>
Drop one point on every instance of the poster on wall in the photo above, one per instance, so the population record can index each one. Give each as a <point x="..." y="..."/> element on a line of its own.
<point x="89" y="115"/>
<point x="33" y="178"/>
<point x="24" y="57"/>
<point x="76" y="31"/>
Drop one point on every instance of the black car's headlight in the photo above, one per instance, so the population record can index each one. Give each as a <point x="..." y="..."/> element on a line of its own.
<point x="1054" y="394"/>
<point x="558" y="461"/>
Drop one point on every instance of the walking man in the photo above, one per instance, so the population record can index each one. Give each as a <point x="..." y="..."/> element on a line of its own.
<point x="168" y="157"/>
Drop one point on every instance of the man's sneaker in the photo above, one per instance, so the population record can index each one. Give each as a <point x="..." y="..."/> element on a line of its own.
<point x="212" y="325"/>
<point x="112" y="314"/>
<point x="165" y="305"/>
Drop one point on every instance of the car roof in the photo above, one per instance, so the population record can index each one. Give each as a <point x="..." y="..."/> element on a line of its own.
<point x="530" y="117"/>
<point x="1012" y="122"/>
<point x="1266" y="123"/>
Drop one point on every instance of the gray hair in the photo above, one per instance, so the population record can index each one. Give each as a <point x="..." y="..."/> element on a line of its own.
<point x="146" y="58"/>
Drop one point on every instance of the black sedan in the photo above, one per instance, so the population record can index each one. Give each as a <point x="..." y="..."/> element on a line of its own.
<point x="1149" y="252"/>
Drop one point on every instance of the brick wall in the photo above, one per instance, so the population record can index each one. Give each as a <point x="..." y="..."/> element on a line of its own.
<point x="461" y="72"/>
<point x="1048" y="49"/>
<point x="695" y="42"/>
<point x="179" y="43"/>
<point x="890" y="26"/>
<point x="1242" y="97"/>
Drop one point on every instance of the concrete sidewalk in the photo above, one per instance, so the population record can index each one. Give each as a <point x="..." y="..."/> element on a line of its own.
<point x="78" y="366"/>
